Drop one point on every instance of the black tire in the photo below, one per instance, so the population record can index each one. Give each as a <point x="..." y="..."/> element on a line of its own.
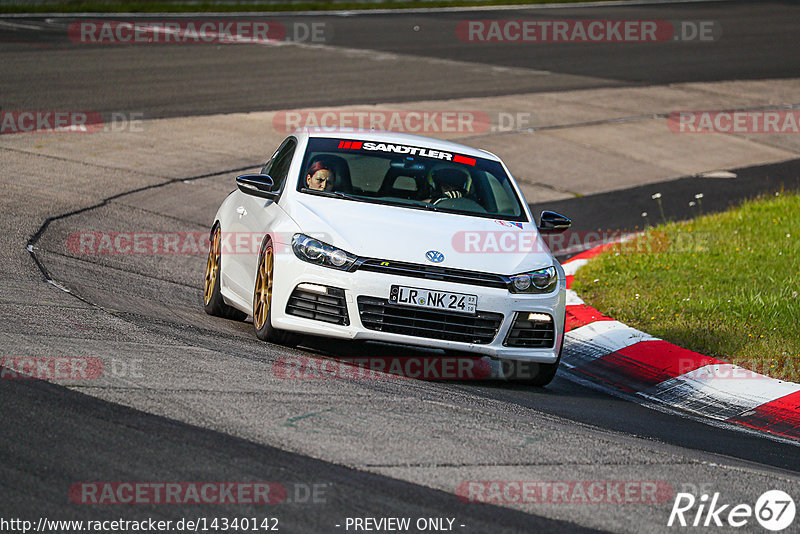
<point x="213" y="302"/>
<point x="545" y="374"/>
<point x="262" y="301"/>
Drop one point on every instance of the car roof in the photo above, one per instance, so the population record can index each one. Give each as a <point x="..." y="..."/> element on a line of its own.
<point x="381" y="136"/>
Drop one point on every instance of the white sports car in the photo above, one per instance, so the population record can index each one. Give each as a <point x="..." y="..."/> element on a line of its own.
<point x="389" y="237"/>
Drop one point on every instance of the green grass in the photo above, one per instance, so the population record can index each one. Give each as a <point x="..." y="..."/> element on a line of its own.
<point x="724" y="285"/>
<point x="182" y="6"/>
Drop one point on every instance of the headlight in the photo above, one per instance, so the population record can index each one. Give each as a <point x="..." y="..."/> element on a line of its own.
<point x="315" y="251"/>
<point x="541" y="281"/>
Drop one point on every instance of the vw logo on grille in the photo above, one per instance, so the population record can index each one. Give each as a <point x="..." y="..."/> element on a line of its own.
<point x="435" y="256"/>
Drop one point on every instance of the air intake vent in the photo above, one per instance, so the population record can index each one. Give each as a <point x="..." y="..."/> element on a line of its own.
<point x="382" y="315"/>
<point x="533" y="330"/>
<point x="320" y="303"/>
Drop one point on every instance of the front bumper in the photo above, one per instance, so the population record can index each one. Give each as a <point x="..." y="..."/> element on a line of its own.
<point x="290" y="272"/>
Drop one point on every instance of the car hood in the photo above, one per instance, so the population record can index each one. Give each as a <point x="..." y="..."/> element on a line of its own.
<point x="406" y="234"/>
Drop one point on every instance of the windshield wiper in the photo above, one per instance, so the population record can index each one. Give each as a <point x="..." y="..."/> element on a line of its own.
<point x="369" y="200"/>
<point x="334" y="194"/>
<point x="428" y="207"/>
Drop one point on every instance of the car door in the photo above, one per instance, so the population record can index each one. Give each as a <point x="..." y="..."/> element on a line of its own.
<point x="256" y="216"/>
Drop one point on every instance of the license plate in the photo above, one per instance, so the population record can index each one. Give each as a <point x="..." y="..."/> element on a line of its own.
<point x="433" y="300"/>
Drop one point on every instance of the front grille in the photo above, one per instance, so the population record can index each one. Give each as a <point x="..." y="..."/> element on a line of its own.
<point x="384" y="316"/>
<point x="433" y="272"/>
<point x="535" y="334"/>
<point x="330" y="308"/>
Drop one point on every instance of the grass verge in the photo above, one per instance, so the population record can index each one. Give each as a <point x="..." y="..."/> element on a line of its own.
<point x="725" y="285"/>
<point x="182" y="6"/>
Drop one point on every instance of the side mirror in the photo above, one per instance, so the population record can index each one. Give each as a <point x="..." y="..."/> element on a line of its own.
<point x="259" y="185"/>
<point x="551" y="222"/>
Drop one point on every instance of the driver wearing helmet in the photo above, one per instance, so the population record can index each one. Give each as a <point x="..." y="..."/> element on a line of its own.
<point x="448" y="183"/>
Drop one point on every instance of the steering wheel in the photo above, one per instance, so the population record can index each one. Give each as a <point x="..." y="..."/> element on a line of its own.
<point x="449" y="195"/>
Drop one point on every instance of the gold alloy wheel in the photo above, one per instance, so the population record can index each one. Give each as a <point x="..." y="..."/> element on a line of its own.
<point x="263" y="292"/>
<point x="212" y="267"/>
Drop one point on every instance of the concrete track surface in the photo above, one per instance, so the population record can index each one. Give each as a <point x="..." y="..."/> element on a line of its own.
<point x="187" y="397"/>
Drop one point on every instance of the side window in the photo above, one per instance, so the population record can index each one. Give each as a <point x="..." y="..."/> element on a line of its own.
<point x="278" y="166"/>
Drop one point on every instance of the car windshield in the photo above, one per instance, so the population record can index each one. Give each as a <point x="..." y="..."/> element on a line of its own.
<point x="409" y="176"/>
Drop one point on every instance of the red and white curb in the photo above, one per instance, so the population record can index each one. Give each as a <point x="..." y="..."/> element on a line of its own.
<point x="605" y="352"/>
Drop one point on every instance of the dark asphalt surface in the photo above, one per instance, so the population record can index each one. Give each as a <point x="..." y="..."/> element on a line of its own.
<point x="618" y="212"/>
<point x="751" y="41"/>
<point x="88" y="437"/>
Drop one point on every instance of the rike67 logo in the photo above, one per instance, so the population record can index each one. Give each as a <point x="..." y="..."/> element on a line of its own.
<point x="774" y="510"/>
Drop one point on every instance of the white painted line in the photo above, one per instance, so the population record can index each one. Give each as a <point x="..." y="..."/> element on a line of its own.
<point x="18" y="25"/>
<point x="227" y="38"/>
<point x="571" y="267"/>
<point x="573" y="299"/>
<point x="370" y="54"/>
<point x="613" y="335"/>
<point x="655" y="404"/>
<point x="351" y="12"/>
<point x="598" y="339"/>
<point x="720" y="391"/>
